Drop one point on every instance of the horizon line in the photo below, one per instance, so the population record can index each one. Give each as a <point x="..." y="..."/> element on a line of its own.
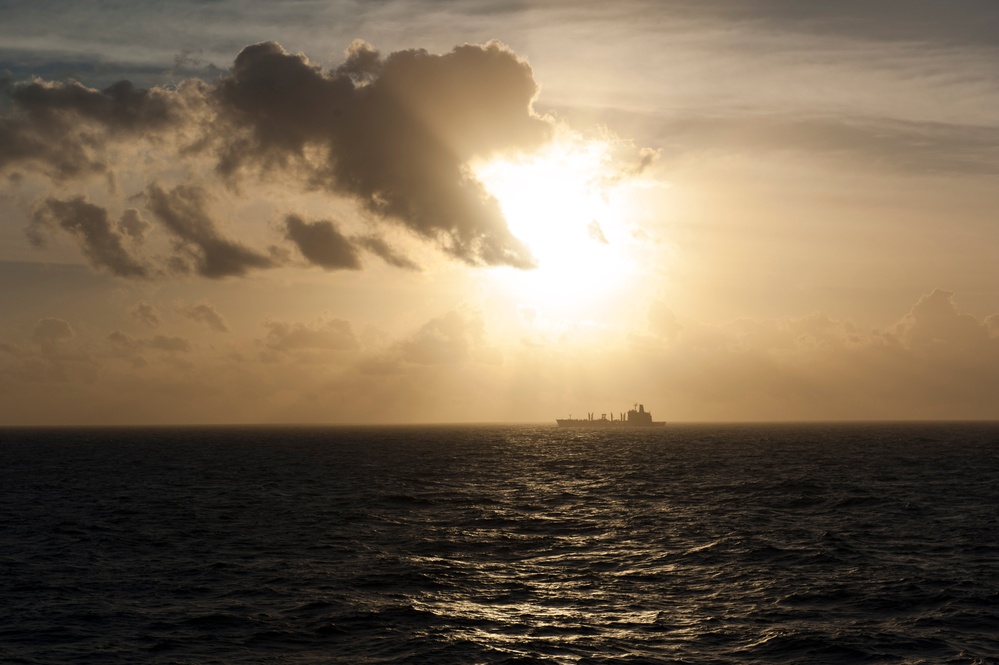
<point x="494" y="423"/>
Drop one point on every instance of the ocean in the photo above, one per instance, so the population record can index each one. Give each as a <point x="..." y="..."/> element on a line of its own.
<point x="835" y="543"/>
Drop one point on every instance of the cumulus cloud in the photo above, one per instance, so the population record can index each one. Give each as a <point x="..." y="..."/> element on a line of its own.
<point x="60" y="358"/>
<point x="935" y="362"/>
<point x="91" y="225"/>
<point x="393" y="133"/>
<point x="324" y="334"/>
<point x="125" y="344"/>
<point x="448" y="339"/>
<point x="935" y="319"/>
<point x="206" y="314"/>
<point x="662" y="321"/>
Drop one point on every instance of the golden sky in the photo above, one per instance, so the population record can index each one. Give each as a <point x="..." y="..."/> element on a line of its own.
<point x="396" y="212"/>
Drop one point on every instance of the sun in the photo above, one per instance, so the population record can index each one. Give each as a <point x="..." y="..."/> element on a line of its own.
<point x="567" y="203"/>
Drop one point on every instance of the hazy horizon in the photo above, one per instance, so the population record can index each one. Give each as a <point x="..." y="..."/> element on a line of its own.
<point x="470" y="423"/>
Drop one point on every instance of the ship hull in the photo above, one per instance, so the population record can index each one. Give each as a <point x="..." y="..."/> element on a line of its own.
<point x="605" y="424"/>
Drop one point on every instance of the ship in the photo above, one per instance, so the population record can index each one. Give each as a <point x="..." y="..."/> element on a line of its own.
<point x="636" y="417"/>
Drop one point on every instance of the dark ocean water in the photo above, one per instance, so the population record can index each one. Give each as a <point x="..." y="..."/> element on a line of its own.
<point x="506" y="544"/>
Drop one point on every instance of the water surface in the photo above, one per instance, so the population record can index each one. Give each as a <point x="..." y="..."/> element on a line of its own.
<point x="501" y="544"/>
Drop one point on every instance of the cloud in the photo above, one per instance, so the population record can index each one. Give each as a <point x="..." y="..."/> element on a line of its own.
<point x="133" y="225"/>
<point x="935" y="362"/>
<point x="809" y="367"/>
<point x="325" y="334"/>
<point x="60" y="359"/>
<point x="171" y="344"/>
<point x="63" y="129"/>
<point x="381" y="249"/>
<point x="125" y="344"/>
<point x="935" y="320"/>
<point x="206" y="314"/>
<point x="92" y="227"/>
<point x="448" y="339"/>
<point x="662" y="321"/>
<point x="146" y="314"/>
<point x="394" y="134"/>
<point x="992" y="325"/>
<point x="184" y="212"/>
<point x="120" y="108"/>
<point x="322" y="244"/>
<point x="50" y="332"/>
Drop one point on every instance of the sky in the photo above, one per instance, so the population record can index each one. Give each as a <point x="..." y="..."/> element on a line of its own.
<point x="405" y="212"/>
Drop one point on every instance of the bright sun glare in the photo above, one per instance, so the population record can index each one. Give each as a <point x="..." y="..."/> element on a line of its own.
<point x="567" y="204"/>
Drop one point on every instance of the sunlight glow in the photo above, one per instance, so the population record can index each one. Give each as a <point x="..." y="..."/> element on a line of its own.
<point x="566" y="202"/>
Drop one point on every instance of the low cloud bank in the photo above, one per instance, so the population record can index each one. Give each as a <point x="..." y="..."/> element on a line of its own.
<point x="935" y="362"/>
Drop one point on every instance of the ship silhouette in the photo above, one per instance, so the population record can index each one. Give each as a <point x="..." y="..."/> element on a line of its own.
<point x="636" y="417"/>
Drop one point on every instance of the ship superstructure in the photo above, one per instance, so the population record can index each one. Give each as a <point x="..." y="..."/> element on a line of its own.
<point x="636" y="417"/>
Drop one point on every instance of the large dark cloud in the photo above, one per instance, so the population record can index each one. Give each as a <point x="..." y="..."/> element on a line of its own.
<point x="394" y="133"/>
